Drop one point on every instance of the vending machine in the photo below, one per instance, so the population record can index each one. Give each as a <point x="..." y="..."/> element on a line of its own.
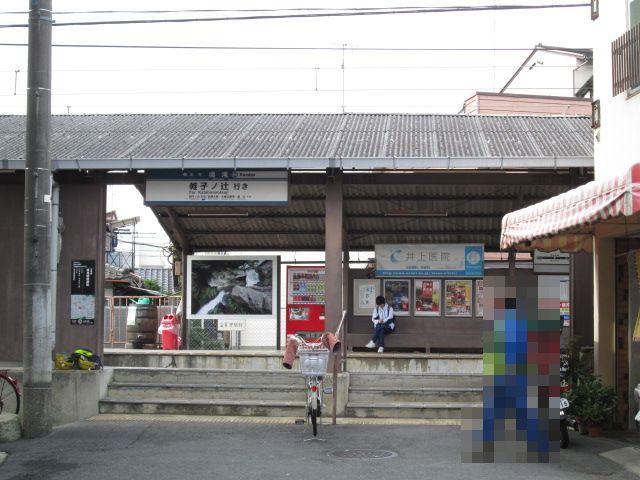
<point x="305" y="301"/>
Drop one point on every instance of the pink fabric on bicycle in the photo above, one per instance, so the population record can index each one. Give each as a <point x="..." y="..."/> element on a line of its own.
<point x="290" y="353"/>
<point x="330" y="341"/>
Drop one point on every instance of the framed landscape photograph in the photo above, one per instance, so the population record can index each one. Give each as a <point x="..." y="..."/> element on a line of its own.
<point x="398" y="295"/>
<point x="226" y="286"/>
<point x="458" y="298"/>
<point x="428" y="297"/>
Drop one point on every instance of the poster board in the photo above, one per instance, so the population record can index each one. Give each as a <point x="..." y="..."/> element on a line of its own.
<point x="397" y="292"/>
<point x="479" y="298"/>
<point x="365" y="291"/>
<point x="458" y="298"/>
<point x="234" y="287"/>
<point x="83" y="292"/>
<point x="428" y="297"/>
<point x="429" y="260"/>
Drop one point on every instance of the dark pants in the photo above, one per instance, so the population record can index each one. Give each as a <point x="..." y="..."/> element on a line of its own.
<point x="382" y="329"/>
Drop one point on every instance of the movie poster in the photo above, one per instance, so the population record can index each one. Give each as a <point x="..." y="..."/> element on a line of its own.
<point x="458" y="298"/>
<point x="397" y="294"/>
<point x="228" y="286"/>
<point x="428" y="301"/>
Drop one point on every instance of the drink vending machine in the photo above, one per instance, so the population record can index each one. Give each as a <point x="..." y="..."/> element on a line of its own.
<point x="305" y="301"/>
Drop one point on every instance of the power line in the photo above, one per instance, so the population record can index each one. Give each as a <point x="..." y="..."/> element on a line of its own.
<point x="221" y="10"/>
<point x="284" y="68"/>
<point x="288" y="90"/>
<point x="483" y="8"/>
<point x="258" y="48"/>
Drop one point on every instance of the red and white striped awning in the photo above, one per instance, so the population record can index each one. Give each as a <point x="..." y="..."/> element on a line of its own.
<point x="565" y="222"/>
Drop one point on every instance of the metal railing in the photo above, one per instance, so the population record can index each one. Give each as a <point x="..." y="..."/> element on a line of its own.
<point x="625" y="61"/>
<point x="115" y="315"/>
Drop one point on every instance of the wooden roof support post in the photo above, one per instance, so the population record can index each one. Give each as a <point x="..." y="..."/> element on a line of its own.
<point x="333" y="243"/>
<point x="333" y="248"/>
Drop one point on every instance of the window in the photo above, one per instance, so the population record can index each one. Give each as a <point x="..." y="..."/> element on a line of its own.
<point x="634" y="20"/>
<point x="634" y="13"/>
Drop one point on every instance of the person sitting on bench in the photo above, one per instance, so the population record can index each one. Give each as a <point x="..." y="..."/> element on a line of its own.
<point x="383" y="323"/>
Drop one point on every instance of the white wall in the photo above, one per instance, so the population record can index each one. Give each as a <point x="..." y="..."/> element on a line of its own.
<point x="617" y="142"/>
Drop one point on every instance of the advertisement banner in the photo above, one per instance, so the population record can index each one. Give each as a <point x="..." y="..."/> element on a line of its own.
<point x="396" y="292"/>
<point x="458" y="297"/>
<point x="423" y="260"/>
<point x="231" y="287"/>
<point x="427" y="297"/>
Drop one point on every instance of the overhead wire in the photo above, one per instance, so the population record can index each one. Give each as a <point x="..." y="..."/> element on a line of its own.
<point x="276" y="48"/>
<point x="219" y="10"/>
<point x="286" y="90"/>
<point x="458" y="9"/>
<point x="286" y="68"/>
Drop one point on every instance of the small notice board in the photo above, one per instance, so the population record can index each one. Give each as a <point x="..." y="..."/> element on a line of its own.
<point x="83" y="292"/>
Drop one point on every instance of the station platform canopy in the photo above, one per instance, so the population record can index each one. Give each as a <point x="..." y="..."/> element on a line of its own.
<point x="403" y="178"/>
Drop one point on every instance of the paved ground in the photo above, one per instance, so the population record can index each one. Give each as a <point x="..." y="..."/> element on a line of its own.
<point x="159" y="448"/>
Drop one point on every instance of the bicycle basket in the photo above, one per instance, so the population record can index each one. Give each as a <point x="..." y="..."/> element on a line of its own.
<point x="313" y="362"/>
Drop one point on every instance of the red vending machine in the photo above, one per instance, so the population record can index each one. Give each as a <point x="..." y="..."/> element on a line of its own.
<point x="305" y="301"/>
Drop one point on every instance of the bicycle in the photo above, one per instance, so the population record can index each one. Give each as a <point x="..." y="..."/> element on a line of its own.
<point x="314" y="358"/>
<point x="9" y="394"/>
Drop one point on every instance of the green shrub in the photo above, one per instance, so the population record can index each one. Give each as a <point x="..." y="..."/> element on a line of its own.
<point x="201" y="339"/>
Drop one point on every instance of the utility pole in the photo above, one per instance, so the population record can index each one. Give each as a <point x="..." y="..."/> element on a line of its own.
<point x="36" y="355"/>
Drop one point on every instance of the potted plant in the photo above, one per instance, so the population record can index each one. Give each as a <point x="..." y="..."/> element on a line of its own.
<point x="577" y="403"/>
<point x="574" y="377"/>
<point x="598" y="405"/>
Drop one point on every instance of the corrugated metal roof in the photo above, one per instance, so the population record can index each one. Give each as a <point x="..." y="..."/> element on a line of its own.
<point x="226" y="136"/>
<point x="164" y="277"/>
<point x="474" y="214"/>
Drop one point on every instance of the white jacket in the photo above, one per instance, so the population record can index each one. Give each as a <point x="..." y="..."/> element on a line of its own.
<point x="385" y="313"/>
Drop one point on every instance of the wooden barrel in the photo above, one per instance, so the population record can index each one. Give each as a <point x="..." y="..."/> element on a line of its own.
<point x="145" y="331"/>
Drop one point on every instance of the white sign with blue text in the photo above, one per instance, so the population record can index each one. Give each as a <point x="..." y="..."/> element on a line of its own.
<point x="217" y="187"/>
<point x="435" y="260"/>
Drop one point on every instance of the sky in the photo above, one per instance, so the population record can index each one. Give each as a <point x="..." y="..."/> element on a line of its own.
<point x="87" y="81"/>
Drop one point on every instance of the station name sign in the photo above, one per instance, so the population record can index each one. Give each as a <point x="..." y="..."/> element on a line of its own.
<point x="430" y="260"/>
<point x="217" y="187"/>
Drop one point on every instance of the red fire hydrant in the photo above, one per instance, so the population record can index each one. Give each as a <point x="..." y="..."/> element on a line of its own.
<point x="170" y="331"/>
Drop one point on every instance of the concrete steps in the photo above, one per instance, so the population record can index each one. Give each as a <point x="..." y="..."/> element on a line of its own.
<point x="257" y="408"/>
<point x="195" y="391"/>
<point x="190" y="391"/>
<point x="205" y="376"/>
<point x="412" y="394"/>
<point x="423" y="410"/>
<point x="417" y="380"/>
<point x="403" y="386"/>
<point x="198" y="359"/>
<point x="446" y="363"/>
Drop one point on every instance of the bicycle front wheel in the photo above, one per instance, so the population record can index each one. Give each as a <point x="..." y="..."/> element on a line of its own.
<point x="9" y="396"/>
